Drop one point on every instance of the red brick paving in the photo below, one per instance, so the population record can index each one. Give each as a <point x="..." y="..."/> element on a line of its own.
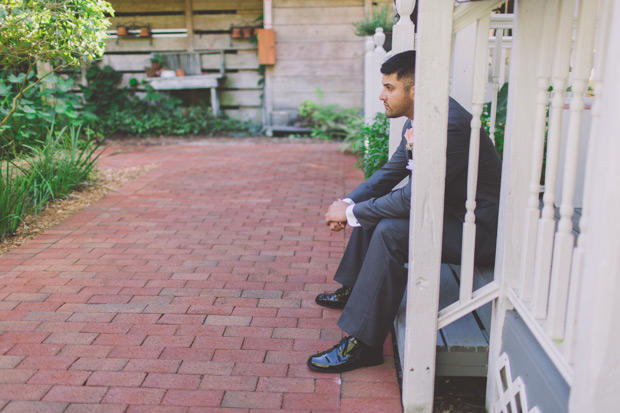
<point x="190" y="289"/>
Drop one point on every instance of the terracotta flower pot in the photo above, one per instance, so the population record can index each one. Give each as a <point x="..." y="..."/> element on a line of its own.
<point x="121" y="31"/>
<point x="180" y="72"/>
<point x="236" y="33"/>
<point x="145" y="32"/>
<point x="247" y="32"/>
<point x="150" y="71"/>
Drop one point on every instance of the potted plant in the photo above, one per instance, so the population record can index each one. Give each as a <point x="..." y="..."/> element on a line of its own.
<point x="121" y="30"/>
<point x="236" y="33"/>
<point x="382" y="17"/>
<point x="145" y="31"/>
<point x="158" y="61"/>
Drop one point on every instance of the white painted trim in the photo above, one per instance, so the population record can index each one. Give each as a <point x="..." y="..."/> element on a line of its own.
<point x="457" y="310"/>
<point x="502" y="21"/>
<point x="466" y="13"/>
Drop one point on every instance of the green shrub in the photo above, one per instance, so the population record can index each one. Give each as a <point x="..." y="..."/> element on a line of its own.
<point x="122" y="111"/>
<point x="500" y="118"/>
<point x="371" y="143"/>
<point x="36" y="111"/>
<point x="326" y="121"/>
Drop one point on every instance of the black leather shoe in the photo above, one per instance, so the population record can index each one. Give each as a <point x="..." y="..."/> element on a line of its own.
<point x="347" y="355"/>
<point x="337" y="299"/>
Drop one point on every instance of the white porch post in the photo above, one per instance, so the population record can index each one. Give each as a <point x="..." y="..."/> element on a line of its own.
<point x="426" y="224"/>
<point x="597" y="376"/>
<point x="515" y="167"/>
<point x="461" y="86"/>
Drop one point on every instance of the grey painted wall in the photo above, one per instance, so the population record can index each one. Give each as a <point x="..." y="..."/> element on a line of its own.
<point x="544" y="385"/>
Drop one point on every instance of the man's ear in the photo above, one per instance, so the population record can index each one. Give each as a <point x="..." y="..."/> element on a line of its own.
<point x="412" y="91"/>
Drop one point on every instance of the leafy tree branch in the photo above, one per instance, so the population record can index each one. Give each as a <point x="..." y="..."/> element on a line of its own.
<point x="62" y="32"/>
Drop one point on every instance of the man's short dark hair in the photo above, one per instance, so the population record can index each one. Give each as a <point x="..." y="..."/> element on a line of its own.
<point x="403" y="64"/>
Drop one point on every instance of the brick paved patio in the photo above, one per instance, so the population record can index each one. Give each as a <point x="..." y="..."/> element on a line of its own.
<point x="191" y="289"/>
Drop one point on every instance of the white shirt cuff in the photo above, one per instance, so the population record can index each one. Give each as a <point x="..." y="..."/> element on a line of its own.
<point x="351" y="220"/>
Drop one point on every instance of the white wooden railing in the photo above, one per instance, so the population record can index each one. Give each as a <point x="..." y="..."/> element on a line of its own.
<point x="547" y="295"/>
<point x="539" y="265"/>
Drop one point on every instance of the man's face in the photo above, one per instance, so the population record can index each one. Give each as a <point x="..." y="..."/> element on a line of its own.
<point x="397" y="97"/>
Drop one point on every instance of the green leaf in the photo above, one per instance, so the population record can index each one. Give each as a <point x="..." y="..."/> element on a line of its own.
<point x="17" y="79"/>
<point x="50" y="79"/>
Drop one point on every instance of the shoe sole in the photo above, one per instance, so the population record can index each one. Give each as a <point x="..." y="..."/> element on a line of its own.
<point x="343" y="368"/>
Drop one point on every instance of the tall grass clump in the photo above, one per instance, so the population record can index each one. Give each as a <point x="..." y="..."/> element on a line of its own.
<point x="52" y="170"/>
<point x="15" y="200"/>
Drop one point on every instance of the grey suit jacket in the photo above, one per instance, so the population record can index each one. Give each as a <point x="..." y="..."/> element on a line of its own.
<point x="375" y="200"/>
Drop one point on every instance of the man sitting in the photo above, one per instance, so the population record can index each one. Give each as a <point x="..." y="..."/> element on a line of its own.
<point x="372" y="271"/>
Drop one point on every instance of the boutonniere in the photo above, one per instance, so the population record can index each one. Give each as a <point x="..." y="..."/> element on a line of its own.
<point x="409" y="137"/>
<point x="410" y="165"/>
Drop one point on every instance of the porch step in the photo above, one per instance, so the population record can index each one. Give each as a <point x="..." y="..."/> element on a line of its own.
<point x="462" y="346"/>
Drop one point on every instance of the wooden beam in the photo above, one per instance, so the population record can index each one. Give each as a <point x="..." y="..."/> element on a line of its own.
<point x="189" y="24"/>
<point x="467" y="13"/>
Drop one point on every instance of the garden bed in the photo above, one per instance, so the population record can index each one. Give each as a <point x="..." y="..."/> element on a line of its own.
<point x="56" y="212"/>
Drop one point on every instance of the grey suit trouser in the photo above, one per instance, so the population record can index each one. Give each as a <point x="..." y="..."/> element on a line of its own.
<point x="373" y="265"/>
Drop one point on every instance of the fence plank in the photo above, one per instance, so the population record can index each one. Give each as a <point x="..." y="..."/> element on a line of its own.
<point x="216" y="22"/>
<point x="138" y="6"/>
<point x="241" y="98"/>
<point x="343" y="100"/>
<point x="317" y="15"/>
<point x="247" y="79"/>
<point x="159" y="44"/>
<point x="325" y="50"/>
<point x="318" y="3"/>
<point x="155" y="22"/>
<point x="227" y="4"/>
<point x="314" y="33"/>
<point x="317" y="68"/>
<point x="203" y="42"/>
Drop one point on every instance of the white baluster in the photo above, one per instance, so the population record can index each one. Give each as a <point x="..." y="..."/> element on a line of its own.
<point x="469" y="227"/>
<point x="579" y="252"/>
<point x="502" y="69"/>
<point x="564" y="239"/>
<point x="497" y="54"/>
<point x="532" y="214"/>
<point x="546" y="227"/>
<point x="403" y="34"/>
<point x="378" y="59"/>
<point x="368" y="80"/>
